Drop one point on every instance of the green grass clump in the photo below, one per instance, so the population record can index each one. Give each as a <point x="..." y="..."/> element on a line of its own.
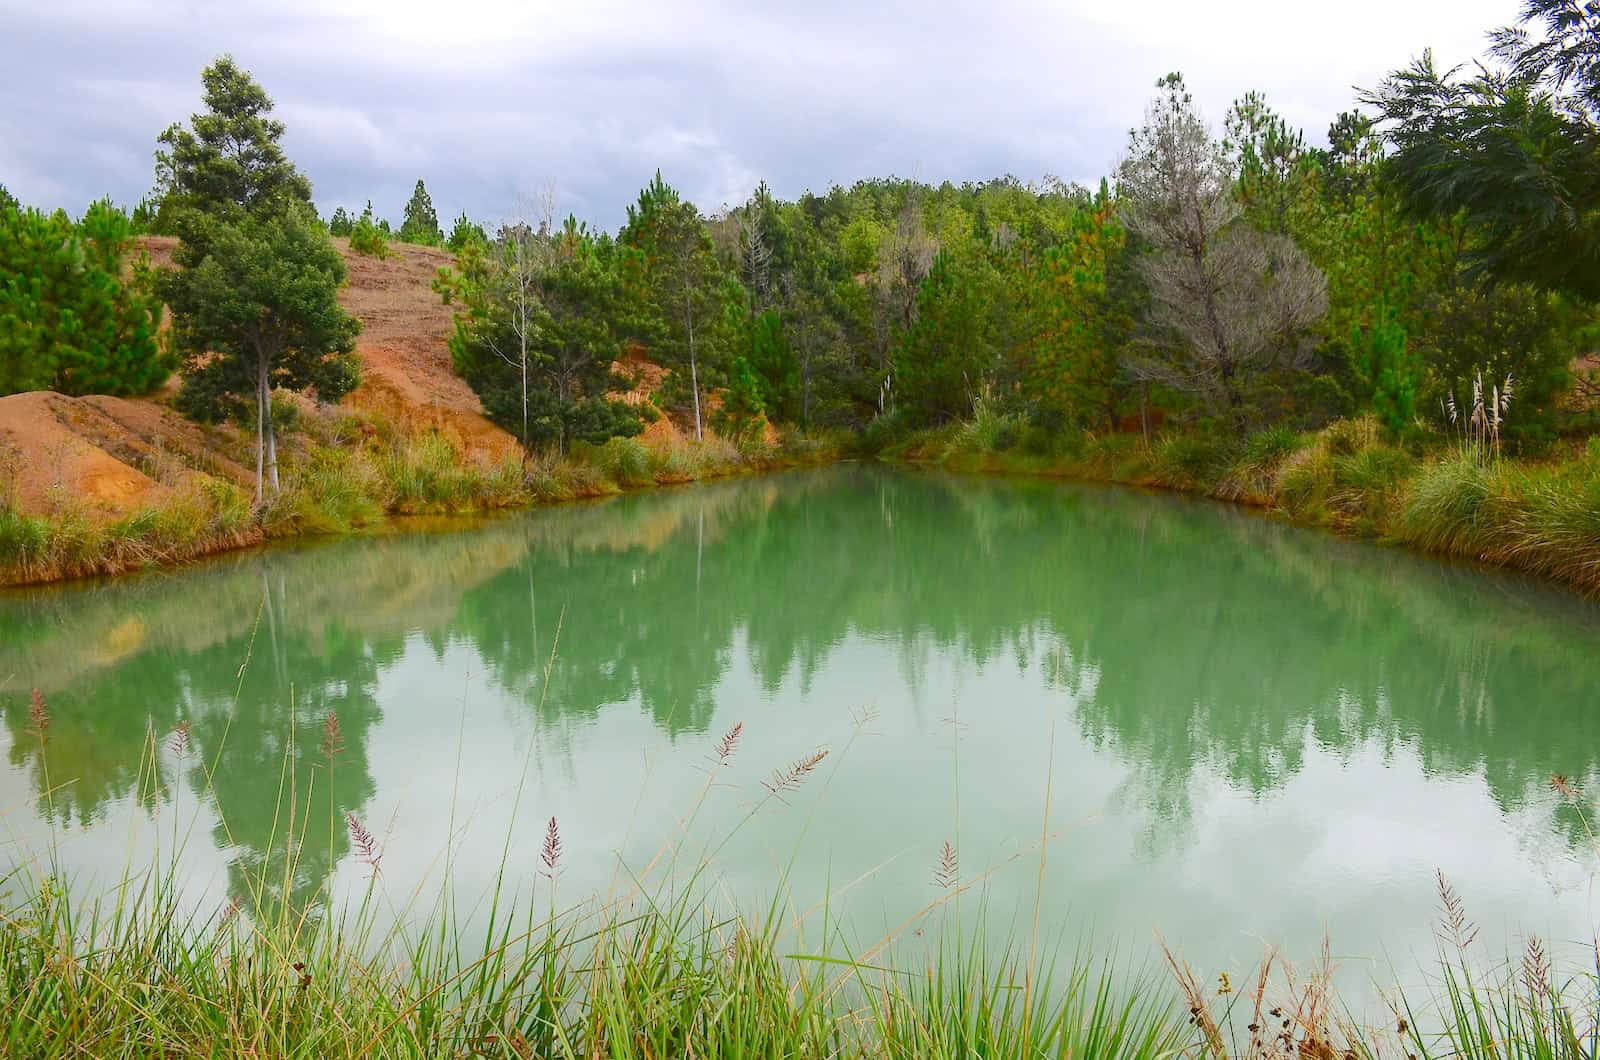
<point x="1450" y="508"/>
<point x="1190" y="461"/>
<point x="626" y="462"/>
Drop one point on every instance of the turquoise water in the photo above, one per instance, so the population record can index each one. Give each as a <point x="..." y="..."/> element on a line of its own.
<point x="1249" y="734"/>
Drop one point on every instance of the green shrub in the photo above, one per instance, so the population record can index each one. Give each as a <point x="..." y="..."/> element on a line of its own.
<point x="1449" y="505"/>
<point x="367" y="238"/>
<point x="988" y="431"/>
<point x="1188" y="460"/>
<point x="626" y="461"/>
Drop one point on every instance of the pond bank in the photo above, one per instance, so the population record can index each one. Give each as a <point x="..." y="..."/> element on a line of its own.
<point x="334" y="488"/>
<point x="1540" y="517"/>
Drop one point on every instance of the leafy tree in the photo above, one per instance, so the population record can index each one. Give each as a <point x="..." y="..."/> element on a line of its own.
<point x="144" y="218"/>
<point x="1269" y="160"/>
<point x="255" y="299"/>
<point x="340" y="224"/>
<point x="73" y="318"/>
<point x="1069" y="366"/>
<point x="421" y="223"/>
<point x="228" y="162"/>
<point x="368" y="238"/>
<point x="1392" y="372"/>
<point x="1514" y="147"/>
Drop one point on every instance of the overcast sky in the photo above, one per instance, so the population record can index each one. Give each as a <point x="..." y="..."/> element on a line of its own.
<point x="491" y="100"/>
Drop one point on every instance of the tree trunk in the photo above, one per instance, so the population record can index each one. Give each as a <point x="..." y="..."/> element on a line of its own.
<point x="261" y="436"/>
<point x="694" y="371"/>
<point x="266" y="435"/>
<point x="522" y="336"/>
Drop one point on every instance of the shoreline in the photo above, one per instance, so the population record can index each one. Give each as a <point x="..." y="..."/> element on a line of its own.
<point x="594" y="478"/>
<point x="1538" y="519"/>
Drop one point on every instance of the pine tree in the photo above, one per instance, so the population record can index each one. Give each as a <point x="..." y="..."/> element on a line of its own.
<point x="684" y="282"/>
<point x="73" y="318"/>
<point x="255" y="299"/>
<point x="340" y="224"/>
<point x="465" y="231"/>
<point x="369" y="238"/>
<point x="421" y="223"/>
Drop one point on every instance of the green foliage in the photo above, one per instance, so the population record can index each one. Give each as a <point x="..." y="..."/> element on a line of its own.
<point x="948" y="355"/>
<point x="1513" y="147"/>
<point x="679" y="281"/>
<point x="263" y="305"/>
<point x="1391" y="372"/>
<point x="421" y="223"/>
<point x="465" y="231"/>
<point x="560" y="297"/>
<point x="340" y="224"/>
<point x="228" y="161"/>
<point x="367" y="238"/>
<point x="741" y="415"/>
<point x="73" y="316"/>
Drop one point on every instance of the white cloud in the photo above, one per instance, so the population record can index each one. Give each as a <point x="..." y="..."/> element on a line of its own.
<point x="485" y="98"/>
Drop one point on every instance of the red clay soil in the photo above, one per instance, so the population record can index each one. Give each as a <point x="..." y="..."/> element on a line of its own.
<point x="107" y="453"/>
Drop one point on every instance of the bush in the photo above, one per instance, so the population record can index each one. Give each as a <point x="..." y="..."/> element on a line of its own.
<point x="626" y="462"/>
<point x="1448" y="508"/>
<point x="367" y="238"/>
<point x="1187" y="460"/>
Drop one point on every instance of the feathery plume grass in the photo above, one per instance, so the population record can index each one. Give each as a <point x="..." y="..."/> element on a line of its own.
<point x="38" y="715"/>
<point x="364" y="842"/>
<point x="725" y="746"/>
<point x="1462" y="931"/>
<point x="948" y="872"/>
<point x="550" y="855"/>
<point x="332" y="735"/>
<point x="179" y="741"/>
<point x="790" y="777"/>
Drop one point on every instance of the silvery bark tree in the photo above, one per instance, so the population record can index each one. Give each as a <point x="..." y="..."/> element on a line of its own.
<point x="1227" y="302"/>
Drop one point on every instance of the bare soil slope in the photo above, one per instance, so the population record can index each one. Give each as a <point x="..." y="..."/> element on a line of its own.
<point x="104" y="452"/>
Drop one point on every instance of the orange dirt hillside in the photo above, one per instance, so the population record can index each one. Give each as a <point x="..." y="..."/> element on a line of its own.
<point x="112" y="455"/>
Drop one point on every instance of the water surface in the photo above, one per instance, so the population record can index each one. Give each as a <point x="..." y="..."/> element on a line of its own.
<point x="1248" y="733"/>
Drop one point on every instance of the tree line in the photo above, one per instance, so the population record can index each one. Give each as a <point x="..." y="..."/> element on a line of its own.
<point x="1229" y="279"/>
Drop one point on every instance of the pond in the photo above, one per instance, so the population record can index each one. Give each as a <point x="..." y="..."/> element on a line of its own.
<point x="1247" y="733"/>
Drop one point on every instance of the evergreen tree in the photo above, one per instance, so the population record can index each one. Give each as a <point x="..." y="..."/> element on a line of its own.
<point x="368" y="238"/>
<point x="340" y="224"/>
<point x="73" y="317"/>
<point x="228" y="162"/>
<point x="255" y="299"/>
<point x="465" y="231"/>
<point x="265" y="314"/>
<point x="1514" y="147"/>
<point x="539" y="324"/>
<point x="421" y="223"/>
<point x="684" y="282"/>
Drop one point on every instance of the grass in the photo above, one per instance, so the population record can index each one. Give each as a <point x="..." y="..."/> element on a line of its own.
<point x="1453" y="499"/>
<point x="342" y="473"/>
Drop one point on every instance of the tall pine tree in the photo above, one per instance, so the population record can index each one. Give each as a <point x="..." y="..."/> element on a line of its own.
<point x="255" y="299"/>
<point x="421" y="223"/>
